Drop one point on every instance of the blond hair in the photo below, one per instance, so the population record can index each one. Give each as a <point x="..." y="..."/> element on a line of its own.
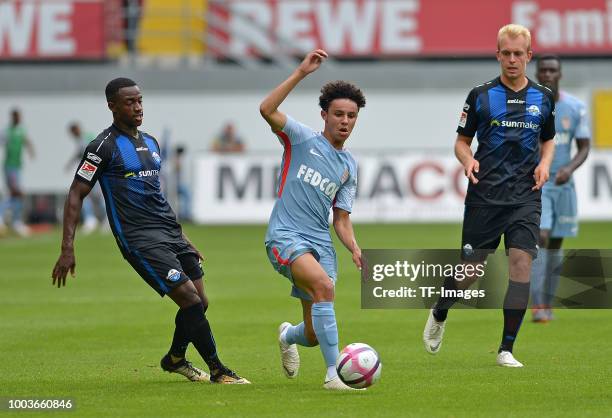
<point x="514" y="30"/>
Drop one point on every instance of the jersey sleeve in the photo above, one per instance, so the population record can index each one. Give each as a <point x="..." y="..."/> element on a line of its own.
<point x="295" y="132"/>
<point x="582" y="127"/>
<point x="468" y="120"/>
<point x="94" y="162"/>
<point x="548" y="128"/>
<point x="346" y="194"/>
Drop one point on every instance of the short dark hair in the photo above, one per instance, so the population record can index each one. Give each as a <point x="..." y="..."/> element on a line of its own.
<point x="113" y="86"/>
<point x="340" y="90"/>
<point x="547" y="57"/>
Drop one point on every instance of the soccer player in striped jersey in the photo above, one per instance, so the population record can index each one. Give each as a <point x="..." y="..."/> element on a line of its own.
<point x="514" y="120"/>
<point x="318" y="174"/>
<point x="126" y="162"/>
<point x="559" y="206"/>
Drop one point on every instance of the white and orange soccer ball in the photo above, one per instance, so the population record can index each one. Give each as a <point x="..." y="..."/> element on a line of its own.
<point x="358" y="365"/>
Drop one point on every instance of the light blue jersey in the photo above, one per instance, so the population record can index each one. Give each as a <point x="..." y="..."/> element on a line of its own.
<point x="559" y="205"/>
<point x="314" y="178"/>
<point x="570" y="123"/>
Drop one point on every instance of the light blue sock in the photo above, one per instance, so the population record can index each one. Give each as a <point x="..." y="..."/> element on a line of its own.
<point x="538" y="277"/>
<point x="326" y="330"/>
<point x="295" y="335"/>
<point x="553" y="272"/>
<point x="16" y="208"/>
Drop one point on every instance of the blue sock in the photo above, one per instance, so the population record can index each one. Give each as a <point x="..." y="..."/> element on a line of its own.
<point x="553" y="272"/>
<point x="326" y="330"/>
<point x="538" y="278"/>
<point x="295" y="335"/>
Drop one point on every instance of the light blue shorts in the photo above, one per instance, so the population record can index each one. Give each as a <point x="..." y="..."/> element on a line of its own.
<point x="284" y="250"/>
<point x="560" y="210"/>
<point x="12" y="176"/>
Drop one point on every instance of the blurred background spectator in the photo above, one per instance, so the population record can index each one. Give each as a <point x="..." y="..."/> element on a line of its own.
<point x="14" y="139"/>
<point x="228" y="140"/>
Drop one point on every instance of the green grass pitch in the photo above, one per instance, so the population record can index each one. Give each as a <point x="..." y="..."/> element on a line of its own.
<point x="99" y="340"/>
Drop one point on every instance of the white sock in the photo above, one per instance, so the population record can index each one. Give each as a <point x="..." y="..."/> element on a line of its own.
<point x="331" y="373"/>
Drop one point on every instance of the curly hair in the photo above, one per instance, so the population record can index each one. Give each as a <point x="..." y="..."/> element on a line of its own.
<point x="340" y="90"/>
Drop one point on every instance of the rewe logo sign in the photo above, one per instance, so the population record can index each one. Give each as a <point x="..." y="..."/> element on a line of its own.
<point x="388" y="28"/>
<point x="341" y="27"/>
<point x="33" y="29"/>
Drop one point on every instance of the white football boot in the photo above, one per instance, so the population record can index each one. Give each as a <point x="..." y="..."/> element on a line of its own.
<point x="433" y="333"/>
<point x="506" y="359"/>
<point x="290" y="358"/>
<point x="337" y="384"/>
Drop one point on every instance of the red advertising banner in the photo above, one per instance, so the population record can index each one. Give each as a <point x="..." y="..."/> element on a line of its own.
<point x="52" y="29"/>
<point x="390" y="28"/>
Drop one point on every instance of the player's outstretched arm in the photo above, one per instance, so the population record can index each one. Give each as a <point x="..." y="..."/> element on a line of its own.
<point x="463" y="152"/>
<point x="269" y="107"/>
<point x="72" y="209"/>
<point x="344" y="230"/>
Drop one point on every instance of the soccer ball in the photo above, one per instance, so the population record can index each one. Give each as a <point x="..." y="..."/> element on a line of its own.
<point x="358" y="365"/>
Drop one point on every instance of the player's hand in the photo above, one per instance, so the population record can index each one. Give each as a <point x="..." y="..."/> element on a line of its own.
<point x="312" y="61"/>
<point x="540" y="175"/>
<point x="563" y="175"/>
<point x="65" y="263"/>
<point x="357" y="257"/>
<point x="471" y="169"/>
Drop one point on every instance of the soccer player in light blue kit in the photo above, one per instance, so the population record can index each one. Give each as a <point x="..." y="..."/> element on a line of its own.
<point x="559" y="212"/>
<point x="317" y="175"/>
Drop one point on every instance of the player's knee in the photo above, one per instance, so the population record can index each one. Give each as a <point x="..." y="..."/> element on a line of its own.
<point x="520" y="268"/>
<point x="185" y="296"/>
<point x="192" y="299"/>
<point x="323" y="290"/>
